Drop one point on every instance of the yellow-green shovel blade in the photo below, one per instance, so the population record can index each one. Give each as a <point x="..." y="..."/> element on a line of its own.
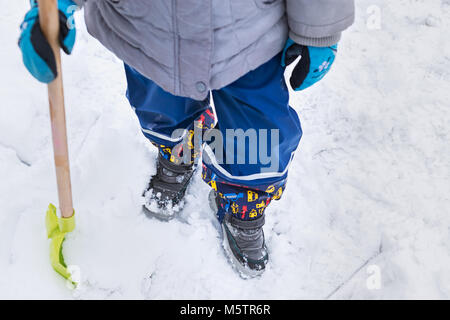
<point x="56" y="231"/>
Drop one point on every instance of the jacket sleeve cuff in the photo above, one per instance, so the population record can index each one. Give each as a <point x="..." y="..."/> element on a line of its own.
<point x="80" y="3"/>
<point x="315" y="42"/>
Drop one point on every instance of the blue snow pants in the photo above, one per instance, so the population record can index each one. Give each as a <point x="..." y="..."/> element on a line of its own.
<point x="258" y="105"/>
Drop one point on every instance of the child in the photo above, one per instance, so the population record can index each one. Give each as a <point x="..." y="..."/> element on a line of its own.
<point x="178" y="53"/>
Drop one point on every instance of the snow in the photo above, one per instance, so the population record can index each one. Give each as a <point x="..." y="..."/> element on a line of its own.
<point x="369" y="188"/>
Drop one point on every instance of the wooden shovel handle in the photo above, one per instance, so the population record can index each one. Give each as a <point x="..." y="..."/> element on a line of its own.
<point x="49" y="21"/>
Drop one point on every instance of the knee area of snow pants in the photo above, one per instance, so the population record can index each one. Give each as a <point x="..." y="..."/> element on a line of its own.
<point x="259" y="134"/>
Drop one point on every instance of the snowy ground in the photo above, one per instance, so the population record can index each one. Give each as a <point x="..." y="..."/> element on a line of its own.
<point x="369" y="188"/>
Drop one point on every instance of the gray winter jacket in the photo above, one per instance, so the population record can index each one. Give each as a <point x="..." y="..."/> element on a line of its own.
<point x="189" y="47"/>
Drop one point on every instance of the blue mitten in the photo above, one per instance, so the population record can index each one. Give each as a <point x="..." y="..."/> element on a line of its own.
<point x="314" y="64"/>
<point x="37" y="54"/>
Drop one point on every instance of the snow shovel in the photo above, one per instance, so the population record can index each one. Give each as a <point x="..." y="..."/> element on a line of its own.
<point x="57" y="228"/>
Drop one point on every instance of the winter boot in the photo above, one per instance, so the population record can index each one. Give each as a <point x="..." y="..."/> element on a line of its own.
<point x="167" y="188"/>
<point x="243" y="241"/>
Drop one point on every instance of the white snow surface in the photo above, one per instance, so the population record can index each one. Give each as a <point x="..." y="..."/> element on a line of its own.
<point x="369" y="185"/>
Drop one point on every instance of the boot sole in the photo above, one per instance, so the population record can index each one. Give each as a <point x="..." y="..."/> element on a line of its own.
<point x="162" y="217"/>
